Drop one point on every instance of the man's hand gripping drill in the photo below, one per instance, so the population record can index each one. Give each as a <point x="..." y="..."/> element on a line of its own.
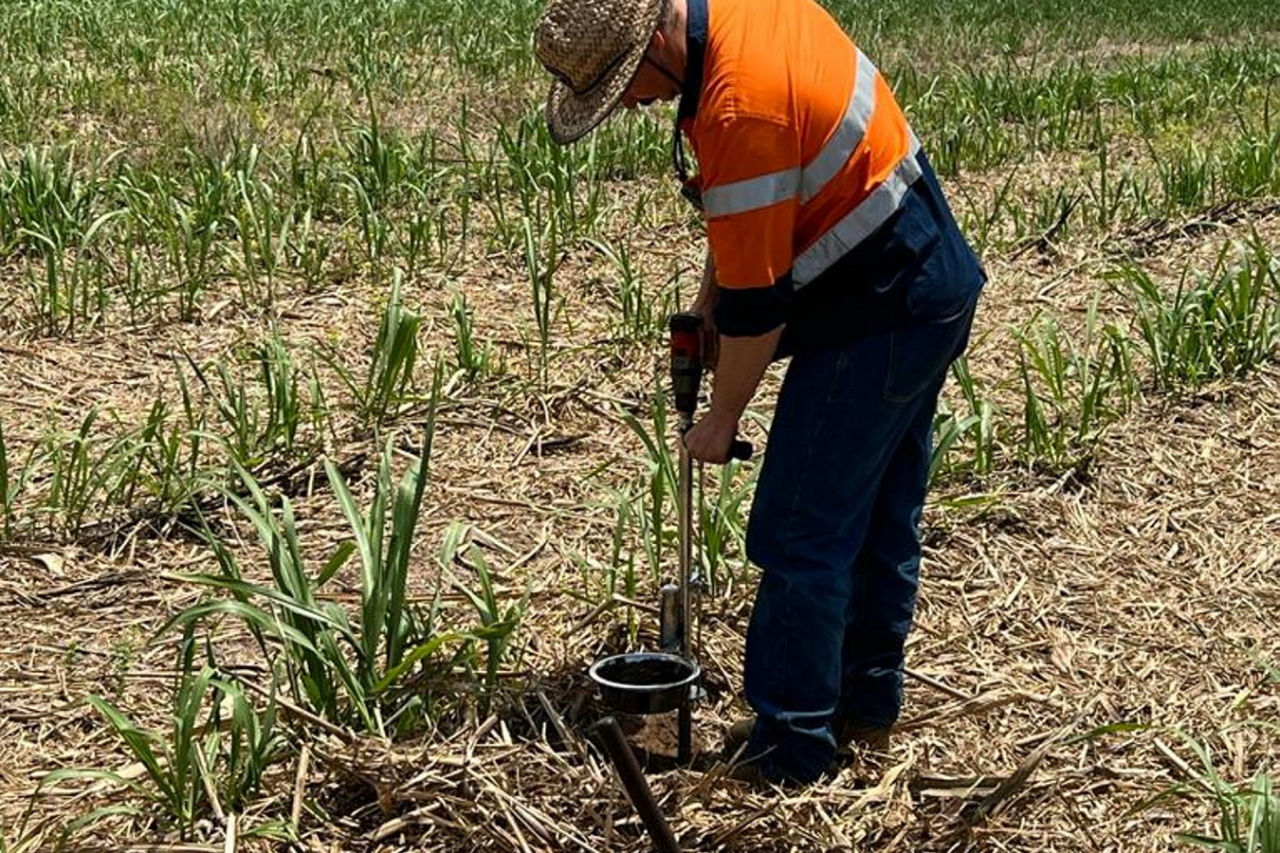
<point x="710" y="439"/>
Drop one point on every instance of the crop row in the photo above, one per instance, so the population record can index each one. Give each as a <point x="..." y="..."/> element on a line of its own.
<point x="395" y="667"/>
<point x="274" y="407"/>
<point x="114" y="243"/>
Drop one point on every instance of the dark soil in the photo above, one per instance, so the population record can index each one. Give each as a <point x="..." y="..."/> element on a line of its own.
<point x="645" y="672"/>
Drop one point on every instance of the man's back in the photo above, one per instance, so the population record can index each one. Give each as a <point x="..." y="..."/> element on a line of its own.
<point x="794" y="128"/>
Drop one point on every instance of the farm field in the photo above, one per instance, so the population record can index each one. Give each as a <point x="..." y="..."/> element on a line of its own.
<point x="334" y="441"/>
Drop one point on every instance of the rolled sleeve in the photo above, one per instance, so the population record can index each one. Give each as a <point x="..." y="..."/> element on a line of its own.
<point x="749" y="311"/>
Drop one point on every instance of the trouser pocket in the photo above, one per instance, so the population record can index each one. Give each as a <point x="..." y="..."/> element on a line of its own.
<point x="919" y="355"/>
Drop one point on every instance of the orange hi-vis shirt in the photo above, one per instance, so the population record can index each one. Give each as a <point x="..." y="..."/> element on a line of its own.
<point x="802" y="149"/>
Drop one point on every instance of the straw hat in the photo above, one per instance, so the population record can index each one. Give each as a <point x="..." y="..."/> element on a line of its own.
<point x="593" y="49"/>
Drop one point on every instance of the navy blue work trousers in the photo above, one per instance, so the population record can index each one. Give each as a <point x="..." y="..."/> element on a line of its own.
<point x="835" y="522"/>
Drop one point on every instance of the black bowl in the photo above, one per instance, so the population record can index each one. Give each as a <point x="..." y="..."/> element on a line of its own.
<point x="644" y="682"/>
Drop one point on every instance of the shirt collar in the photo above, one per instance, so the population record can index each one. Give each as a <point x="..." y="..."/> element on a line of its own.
<point x="696" y="48"/>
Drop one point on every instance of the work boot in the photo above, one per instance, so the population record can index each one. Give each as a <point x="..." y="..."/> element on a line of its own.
<point x="752" y="771"/>
<point x="849" y="734"/>
<point x="738" y="734"/>
<point x="749" y="772"/>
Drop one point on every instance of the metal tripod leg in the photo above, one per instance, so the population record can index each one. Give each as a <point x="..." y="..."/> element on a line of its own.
<point x="637" y="788"/>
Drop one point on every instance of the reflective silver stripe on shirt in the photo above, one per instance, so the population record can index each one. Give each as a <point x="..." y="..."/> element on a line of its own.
<point x="752" y="193"/>
<point x="860" y="222"/>
<point x="848" y="135"/>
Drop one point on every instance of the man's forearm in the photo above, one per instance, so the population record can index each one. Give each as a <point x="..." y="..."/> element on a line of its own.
<point x="707" y="292"/>
<point x="742" y="362"/>
<point x="705" y="306"/>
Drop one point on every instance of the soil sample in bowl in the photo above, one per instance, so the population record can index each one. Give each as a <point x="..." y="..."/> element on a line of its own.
<point x="645" y="671"/>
